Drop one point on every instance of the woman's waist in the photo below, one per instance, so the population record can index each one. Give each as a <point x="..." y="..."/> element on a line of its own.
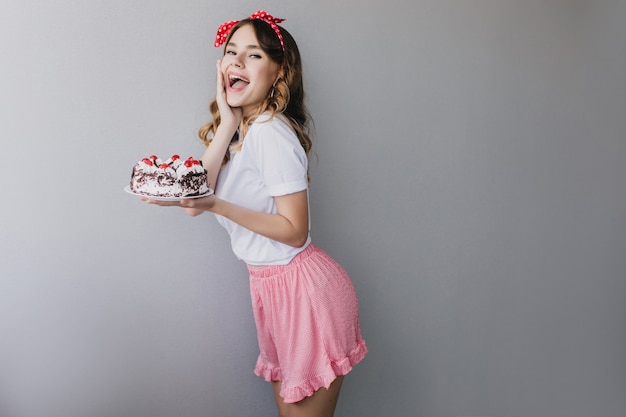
<point x="260" y="270"/>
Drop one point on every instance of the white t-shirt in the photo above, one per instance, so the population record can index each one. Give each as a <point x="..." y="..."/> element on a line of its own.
<point x="270" y="163"/>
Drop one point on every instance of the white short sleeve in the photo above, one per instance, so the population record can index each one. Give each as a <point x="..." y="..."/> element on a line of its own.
<point x="279" y="158"/>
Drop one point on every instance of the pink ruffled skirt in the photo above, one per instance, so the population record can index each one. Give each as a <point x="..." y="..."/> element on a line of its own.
<point x="307" y="319"/>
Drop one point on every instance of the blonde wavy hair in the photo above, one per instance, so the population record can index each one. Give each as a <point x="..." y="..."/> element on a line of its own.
<point x="287" y="97"/>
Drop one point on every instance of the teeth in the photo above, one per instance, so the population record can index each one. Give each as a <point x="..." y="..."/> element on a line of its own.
<point x="234" y="78"/>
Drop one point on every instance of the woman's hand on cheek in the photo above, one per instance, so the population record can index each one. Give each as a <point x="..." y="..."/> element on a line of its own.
<point x="230" y="116"/>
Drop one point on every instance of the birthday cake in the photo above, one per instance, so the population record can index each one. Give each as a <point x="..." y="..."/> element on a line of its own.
<point x="171" y="178"/>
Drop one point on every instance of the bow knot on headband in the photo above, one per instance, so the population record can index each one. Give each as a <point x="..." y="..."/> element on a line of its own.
<point x="225" y="28"/>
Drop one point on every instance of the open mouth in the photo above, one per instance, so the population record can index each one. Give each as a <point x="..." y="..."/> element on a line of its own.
<point x="237" y="81"/>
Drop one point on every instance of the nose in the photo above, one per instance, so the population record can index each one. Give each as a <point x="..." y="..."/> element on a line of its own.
<point x="236" y="62"/>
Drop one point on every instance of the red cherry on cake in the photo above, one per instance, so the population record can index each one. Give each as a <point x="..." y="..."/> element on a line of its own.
<point x="188" y="163"/>
<point x="154" y="157"/>
<point x="147" y="161"/>
<point x="175" y="157"/>
<point x="163" y="166"/>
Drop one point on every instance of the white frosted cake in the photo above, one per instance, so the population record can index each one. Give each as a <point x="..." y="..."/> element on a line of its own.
<point x="172" y="178"/>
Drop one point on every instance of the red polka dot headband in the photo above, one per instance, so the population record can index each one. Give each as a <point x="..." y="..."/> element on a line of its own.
<point x="225" y="28"/>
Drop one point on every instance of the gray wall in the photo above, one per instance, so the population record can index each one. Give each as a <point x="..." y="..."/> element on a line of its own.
<point x="471" y="178"/>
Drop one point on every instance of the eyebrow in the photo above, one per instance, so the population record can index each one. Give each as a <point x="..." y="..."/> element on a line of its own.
<point x="247" y="46"/>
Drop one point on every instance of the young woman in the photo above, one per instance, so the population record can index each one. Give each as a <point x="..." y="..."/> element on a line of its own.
<point x="305" y="306"/>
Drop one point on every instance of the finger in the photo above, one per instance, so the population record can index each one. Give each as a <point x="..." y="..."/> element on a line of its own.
<point x="220" y="77"/>
<point x="163" y="203"/>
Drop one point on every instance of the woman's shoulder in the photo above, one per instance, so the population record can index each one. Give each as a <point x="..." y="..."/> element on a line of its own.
<point x="271" y="137"/>
<point x="274" y="126"/>
<point x="272" y="120"/>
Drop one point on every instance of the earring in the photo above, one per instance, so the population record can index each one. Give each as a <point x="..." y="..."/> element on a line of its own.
<point x="274" y="88"/>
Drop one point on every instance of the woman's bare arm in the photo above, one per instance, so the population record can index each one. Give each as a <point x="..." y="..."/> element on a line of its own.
<point x="289" y="226"/>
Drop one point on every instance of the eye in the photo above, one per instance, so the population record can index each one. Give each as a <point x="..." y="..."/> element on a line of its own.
<point x="255" y="56"/>
<point x="230" y="52"/>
